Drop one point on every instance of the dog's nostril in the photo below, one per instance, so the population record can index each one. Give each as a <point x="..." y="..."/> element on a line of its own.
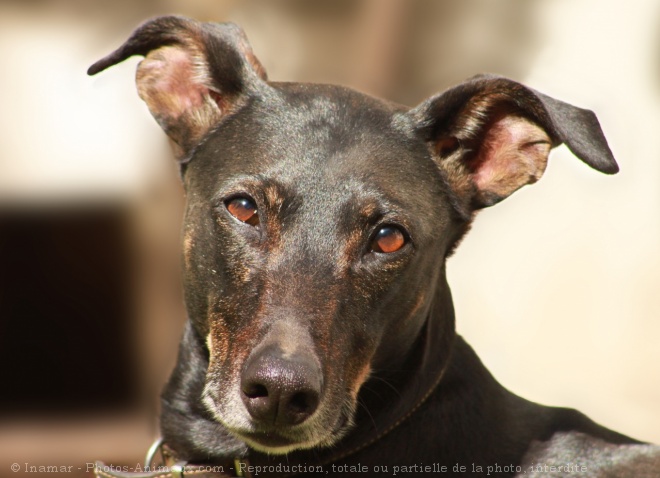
<point x="301" y="402"/>
<point x="255" y="390"/>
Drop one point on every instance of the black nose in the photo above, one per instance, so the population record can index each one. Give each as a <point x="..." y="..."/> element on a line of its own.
<point x="278" y="390"/>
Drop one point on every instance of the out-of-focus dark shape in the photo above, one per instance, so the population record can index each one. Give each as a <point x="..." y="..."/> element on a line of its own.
<point x="67" y="323"/>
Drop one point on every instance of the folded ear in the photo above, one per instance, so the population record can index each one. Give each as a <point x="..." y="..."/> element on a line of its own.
<point x="491" y="136"/>
<point x="193" y="75"/>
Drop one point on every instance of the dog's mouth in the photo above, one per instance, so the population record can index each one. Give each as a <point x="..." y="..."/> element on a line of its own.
<point x="282" y="440"/>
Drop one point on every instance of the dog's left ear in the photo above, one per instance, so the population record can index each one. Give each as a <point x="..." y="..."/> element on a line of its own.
<point x="491" y="136"/>
<point x="193" y="75"/>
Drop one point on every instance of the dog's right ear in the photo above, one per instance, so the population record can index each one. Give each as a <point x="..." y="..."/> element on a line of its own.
<point x="193" y="75"/>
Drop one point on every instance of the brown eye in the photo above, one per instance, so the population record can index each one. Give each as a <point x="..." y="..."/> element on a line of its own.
<point x="388" y="239"/>
<point x="244" y="210"/>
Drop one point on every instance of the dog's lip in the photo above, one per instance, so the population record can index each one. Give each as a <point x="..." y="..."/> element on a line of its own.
<point x="277" y="438"/>
<point x="274" y="436"/>
<point x="269" y="439"/>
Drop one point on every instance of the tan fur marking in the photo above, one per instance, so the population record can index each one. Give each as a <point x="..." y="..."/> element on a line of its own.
<point x="362" y="376"/>
<point x="354" y="241"/>
<point x="421" y="300"/>
<point x="188" y="244"/>
<point x="353" y="244"/>
<point x="218" y="340"/>
<point x="209" y="344"/>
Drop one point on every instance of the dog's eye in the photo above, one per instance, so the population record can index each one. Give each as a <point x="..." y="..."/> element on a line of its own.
<point x="244" y="210"/>
<point x="388" y="239"/>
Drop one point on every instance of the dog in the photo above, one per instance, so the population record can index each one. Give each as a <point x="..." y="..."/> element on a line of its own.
<point x="320" y="334"/>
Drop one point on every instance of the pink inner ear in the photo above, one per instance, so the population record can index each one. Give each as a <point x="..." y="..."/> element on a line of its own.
<point x="172" y="80"/>
<point x="514" y="152"/>
<point x="168" y="77"/>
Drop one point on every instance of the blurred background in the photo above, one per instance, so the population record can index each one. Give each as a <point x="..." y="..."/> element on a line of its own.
<point x="557" y="288"/>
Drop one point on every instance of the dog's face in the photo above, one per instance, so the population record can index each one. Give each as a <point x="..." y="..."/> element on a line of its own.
<point x="304" y="254"/>
<point x="318" y="219"/>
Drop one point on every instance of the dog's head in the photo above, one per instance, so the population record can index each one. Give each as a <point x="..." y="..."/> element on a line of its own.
<point x="318" y="219"/>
